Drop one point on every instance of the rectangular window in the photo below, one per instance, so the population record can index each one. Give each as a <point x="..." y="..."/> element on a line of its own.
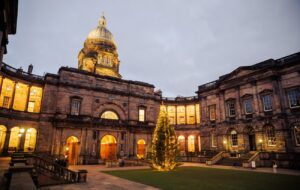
<point x="248" y="106"/>
<point x="231" y="108"/>
<point x="212" y="113"/>
<point x="171" y="114"/>
<point x="294" y="98"/>
<point x="180" y="114"/>
<point x="267" y="102"/>
<point x="234" y="138"/>
<point x="190" y="109"/>
<point x="141" y="115"/>
<point x="75" y="106"/>
<point x="171" y="120"/>
<point x="35" y="96"/>
<point x="213" y="140"/>
<point x="30" y="106"/>
<point x="6" y="102"/>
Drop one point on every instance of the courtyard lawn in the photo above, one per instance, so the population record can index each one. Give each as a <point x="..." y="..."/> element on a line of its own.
<point x="190" y="178"/>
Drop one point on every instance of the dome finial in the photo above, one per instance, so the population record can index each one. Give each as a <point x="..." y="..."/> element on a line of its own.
<point x="102" y="21"/>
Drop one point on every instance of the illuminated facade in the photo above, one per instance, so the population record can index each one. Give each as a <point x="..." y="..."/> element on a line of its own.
<point x="90" y="114"/>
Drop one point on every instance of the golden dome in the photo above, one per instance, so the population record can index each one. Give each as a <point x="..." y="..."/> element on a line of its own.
<point x="99" y="53"/>
<point x="101" y="33"/>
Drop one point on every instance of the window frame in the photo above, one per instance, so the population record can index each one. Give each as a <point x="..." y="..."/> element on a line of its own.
<point x="72" y="100"/>
<point x="245" y="106"/>
<point x="297" y="98"/>
<point x="264" y="102"/>
<point x="212" y="109"/>
<point x="214" y="142"/>
<point x="230" y="102"/>
<point x="271" y="140"/>
<point x="295" y="136"/>
<point x="234" y="138"/>
<point x="141" y="108"/>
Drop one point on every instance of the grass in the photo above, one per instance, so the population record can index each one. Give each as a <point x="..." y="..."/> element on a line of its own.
<point x="210" y="179"/>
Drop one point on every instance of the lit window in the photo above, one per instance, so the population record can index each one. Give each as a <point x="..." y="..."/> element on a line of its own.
<point x="212" y="113"/>
<point x="294" y="98"/>
<point x="248" y="106"/>
<point x="20" y="98"/>
<point x="141" y="115"/>
<point x="180" y="115"/>
<point x="7" y="90"/>
<point x="75" y="106"/>
<point x="231" y="108"/>
<point x="2" y="136"/>
<point x="271" y="139"/>
<point x="6" y="102"/>
<point x="171" y="114"/>
<point x="35" y="98"/>
<point x="198" y="113"/>
<point x="191" y="114"/>
<point x="109" y="115"/>
<point x="297" y="135"/>
<point x="213" y="140"/>
<point x="30" y="140"/>
<point x="267" y="102"/>
<point x="191" y="143"/>
<point x="181" y="142"/>
<point x="234" y="138"/>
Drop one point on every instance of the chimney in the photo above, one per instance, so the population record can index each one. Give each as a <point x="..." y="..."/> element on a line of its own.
<point x="30" y="68"/>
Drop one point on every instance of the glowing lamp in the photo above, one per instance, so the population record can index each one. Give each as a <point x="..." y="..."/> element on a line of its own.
<point x="224" y="142"/>
<point x="22" y="130"/>
<point x="67" y="148"/>
<point x="260" y="140"/>
<point x="19" y="135"/>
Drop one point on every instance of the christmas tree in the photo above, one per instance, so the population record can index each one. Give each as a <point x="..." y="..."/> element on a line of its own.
<point x="164" y="148"/>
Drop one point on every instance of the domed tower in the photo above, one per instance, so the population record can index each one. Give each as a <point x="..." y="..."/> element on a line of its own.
<point x="99" y="54"/>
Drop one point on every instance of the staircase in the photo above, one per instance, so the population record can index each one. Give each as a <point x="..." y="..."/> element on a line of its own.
<point x="235" y="161"/>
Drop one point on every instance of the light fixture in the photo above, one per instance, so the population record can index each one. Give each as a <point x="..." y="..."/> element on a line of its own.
<point x="224" y="142"/>
<point x="19" y="135"/>
<point x="22" y="130"/>
<point x="260" y="140"/>
<point x="28" y="130"/>
<point x="67" y="148"/>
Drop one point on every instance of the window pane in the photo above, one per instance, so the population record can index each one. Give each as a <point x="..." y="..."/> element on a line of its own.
<point x="231" y="108"/>
<point x="75" y="106"/>
<point x="6" y="93"/>
<point x="297" y="135"/>
<point x="171" y="114"/>
<point x="271" y="136"/>
<point x="141" y="115"/>
<point x="198" y="113"/>
<point x="248" y="106"/>
<point x="109" y="115"/>
<point x="190" y="114"/>
<point x="191" y="143"/>
<point x="234" y="138"/>
<point x="21" y="95"/>
<point x="35" y="97"/>
<point x="213" y="140"/>
<point x="294" y="99"/>
<point x="267" y="101"/>
<point x="180" y="115"/>
<point x="212" y="113"/>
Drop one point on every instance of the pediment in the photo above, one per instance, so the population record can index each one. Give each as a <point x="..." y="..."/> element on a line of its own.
<point x="237" y="73"/>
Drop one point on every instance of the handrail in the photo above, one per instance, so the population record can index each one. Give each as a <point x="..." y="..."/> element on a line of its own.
<point x="215" y="159"/>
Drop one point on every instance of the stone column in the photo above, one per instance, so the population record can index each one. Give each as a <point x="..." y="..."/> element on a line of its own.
<point x="6" y="142"/>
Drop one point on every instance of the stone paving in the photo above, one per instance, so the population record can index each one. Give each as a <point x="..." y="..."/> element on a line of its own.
<point x="97" y="180"/>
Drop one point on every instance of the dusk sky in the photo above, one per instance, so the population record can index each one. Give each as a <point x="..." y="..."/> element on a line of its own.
<point x="175" y="45"/>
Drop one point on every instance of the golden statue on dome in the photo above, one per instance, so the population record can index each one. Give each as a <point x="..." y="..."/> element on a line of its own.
<point x="99" y="54"/>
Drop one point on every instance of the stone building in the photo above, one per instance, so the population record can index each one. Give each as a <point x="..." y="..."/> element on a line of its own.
<point x="91" y="114"/>
<point x="85" y="114"/>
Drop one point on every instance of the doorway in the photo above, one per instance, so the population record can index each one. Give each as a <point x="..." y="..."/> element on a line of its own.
<point x="108" y="149"/>
<point x="252" y="143"/>
<point x="72" y="150"/>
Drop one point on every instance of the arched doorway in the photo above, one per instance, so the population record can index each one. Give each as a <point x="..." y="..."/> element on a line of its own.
<point x="2" y="137"/>
<point x="108" y="148"/>
<point x="72" y="150"/>
<point x="181" y="143"/>
<point x="141" y="148"/>
<point x="14" y="139"/>
<point x="30" y="140"/>
<point x="251" y="138"/>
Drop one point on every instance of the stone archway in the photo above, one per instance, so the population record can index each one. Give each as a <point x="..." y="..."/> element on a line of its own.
<point x="2" y="137"/>
<point x="141" y="148"/>
<point x="72" y="150"/>
<point x="108" y="148"/>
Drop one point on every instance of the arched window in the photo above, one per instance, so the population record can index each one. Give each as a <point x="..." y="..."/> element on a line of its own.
<point x="14" y="138"/>
<point x="109" y="115"/>
<point x="30" y="140"/>
<point x="297" y="135"/>
<point x="2" y="137"/>
<point x="181" y="142"/>
<point x="191" y="143"/>
<point x="141" y="148"/>
<point x="234" y="138"/>
<point x="271" y="138"/>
